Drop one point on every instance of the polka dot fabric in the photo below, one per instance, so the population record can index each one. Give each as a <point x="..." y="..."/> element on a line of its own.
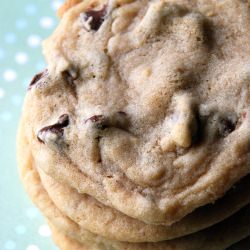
<point x="23" y="25"/>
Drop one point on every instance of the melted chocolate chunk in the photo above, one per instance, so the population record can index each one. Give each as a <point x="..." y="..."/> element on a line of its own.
<point x="57" y="128"/>
<point x="116" y="120"/>
<point x="95" y="17"/>
<point x="122" y="113"/>
<point x="70" y="75"/>
<point x="227" y="126"/>
<point x="95" y="118"/>
<point x="98" y="120"/>
<point x="63" y="120"/>
<point x="37" y="78"/>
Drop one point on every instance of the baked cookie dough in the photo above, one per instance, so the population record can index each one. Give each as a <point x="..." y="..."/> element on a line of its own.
<point x="105" y="221"/>
<point x="208" y="240"/>
<point x="211" y="238"/>
<point x="145" y="105"/>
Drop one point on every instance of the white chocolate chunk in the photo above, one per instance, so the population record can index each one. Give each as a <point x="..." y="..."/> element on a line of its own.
<point x="183" y="124"/>
<point x="149" y="24"/>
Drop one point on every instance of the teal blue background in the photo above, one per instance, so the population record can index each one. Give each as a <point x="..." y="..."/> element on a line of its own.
<point x="23" y="23"/>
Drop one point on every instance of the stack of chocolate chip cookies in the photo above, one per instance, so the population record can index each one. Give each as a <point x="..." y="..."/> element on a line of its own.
<point x="137" y="134"/>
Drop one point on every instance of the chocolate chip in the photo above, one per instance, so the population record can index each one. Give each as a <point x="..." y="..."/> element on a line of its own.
<point x="63" y="120"/>
<point x="70" y="75"/>
<point x="95" y="18"/>
<point x="37" y="78"/>
<point x="117" y="120"/>
<point x="226" y="126"/>
<point x="95" y="118"/>
<point x="98" y="120"/>
<point x="57" y="128"/>
<point x="122" y="113"/>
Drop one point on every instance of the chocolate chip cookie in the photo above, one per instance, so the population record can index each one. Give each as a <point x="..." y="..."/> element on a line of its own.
<point x="140" y="121"/>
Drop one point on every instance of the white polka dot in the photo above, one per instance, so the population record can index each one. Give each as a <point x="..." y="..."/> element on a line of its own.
<point x="32" y="247"/>
<point x="5" y="116"/>
<point x="34" y="41"/>
<point x="21" y="23"/>
<point x="56" y="4"/>
<point x="20" y="229"/>
<point x="44" y="231"/>
<point x="10" y="38"/>
<point x="9" y="75"/>
<point x="2" y="93"/>
<point x="2" y="54"/>
<point x="32" y="212"/>
<point x="31" y="9"/>
<point x="46" y="22"/>
<point x="10" y="245"/>
<point x="21" y="58"/>
<point x="16" y="99"/>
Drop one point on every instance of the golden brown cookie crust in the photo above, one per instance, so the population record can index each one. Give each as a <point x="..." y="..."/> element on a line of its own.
<point x="211" y="239"/>
<point x="66" y="6"/>
<point x="105" y="221"/>
<point x="64" y="242"/>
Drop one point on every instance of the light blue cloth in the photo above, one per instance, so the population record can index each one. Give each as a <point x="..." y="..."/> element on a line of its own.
<point x="23" y="24"/>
